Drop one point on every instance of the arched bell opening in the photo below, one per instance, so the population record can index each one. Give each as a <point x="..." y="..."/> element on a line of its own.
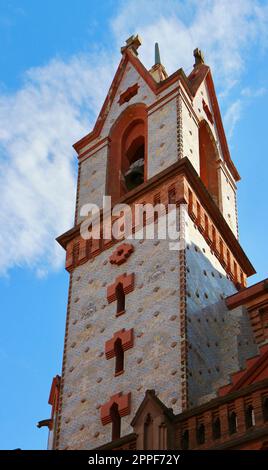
<point x="127" y="160"/>
<point x="133" y="156"/>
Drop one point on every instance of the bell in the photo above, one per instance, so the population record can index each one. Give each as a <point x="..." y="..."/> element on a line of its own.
<point x="135" y="174"/>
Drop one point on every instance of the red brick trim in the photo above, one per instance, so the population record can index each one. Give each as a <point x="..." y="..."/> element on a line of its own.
<point x="95" y="148"/>
<point x="128" y="94"/>
<point x="54" y="395"/>
<point x="127" y="338"/>
<point x="127" y="280"/>
<point x="56" y="443"/>
<point x="121" y="254"/>
<point x="179" y="127"/>
<point x="183" y="176"/>
<point x="131" y="124"/>
<point x="247" y="295"/>
<point x="254" y="367"/>
<point x="214" y="238"/>
<point x="220" y="128"/>
<point x="207" y="111"/>
<point x="123" y="402"/>
<point x="77" y="193"/>
<point x="143" y="72"/>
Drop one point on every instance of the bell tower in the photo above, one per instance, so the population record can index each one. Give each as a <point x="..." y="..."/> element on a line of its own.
<point x="148" y="334"/>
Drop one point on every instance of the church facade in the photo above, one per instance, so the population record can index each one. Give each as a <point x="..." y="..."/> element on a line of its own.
<point x="164" y="349"/>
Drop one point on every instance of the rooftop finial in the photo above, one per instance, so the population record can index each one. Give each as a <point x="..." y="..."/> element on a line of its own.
<point x="156" y="54"/>
<point x="132" y="44"/>
<point x="199" y="57"/>
<point x="158" y="71"/>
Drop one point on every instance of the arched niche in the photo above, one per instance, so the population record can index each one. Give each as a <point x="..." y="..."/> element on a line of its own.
<point x="209" y="157"/>
<point x="128" y="147"/>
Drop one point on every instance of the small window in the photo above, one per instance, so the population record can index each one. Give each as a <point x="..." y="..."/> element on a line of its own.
<point x="232" y="423"/>
<point x="148" y="433"/>
<point x="250" y="418"/>
<point x="120" y="297"/>
<point x="200" y="434"/>
<point x="134" y="176"/>
<point x="216" y="428"/>
<point x="119" y="356"/>
<point x="265" y="409"/>
<point x="116" y="422"/>
<point x="185" y="440"/>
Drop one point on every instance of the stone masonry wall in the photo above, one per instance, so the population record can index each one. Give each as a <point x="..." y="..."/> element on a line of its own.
<point x="228" y="199"/>
<point x="227" y="183"/>
<point x="92" y="180"/>
<point x="154" y="361"/>
<point x="162" y="142"/>
<point x="190" y="136"/>
<point x="219" y="341"/>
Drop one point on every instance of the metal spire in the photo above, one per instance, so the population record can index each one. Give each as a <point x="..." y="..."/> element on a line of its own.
<point x="156" y="54"/>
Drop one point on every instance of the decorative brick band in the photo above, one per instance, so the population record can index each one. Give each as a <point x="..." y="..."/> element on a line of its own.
<point x="202" y="209"/>
<point x="214" y="239"/>
<point x="127" y="281"/>
<point x="123" y="402"/>
<point x="121" y="254"/>
<point x="188" y="423"/>
<point x="127" y="339"/>
<point x="88" y="249"/>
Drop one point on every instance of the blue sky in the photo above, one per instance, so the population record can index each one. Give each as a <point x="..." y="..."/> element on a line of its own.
<point x="57" y="59"/>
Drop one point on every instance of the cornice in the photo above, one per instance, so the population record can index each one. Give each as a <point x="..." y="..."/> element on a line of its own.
<point x="182" y="167"/>
<point x="247" y="295"/>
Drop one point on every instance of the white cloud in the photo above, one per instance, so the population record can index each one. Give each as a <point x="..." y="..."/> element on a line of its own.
<point x="232" y="116"/>
<point x="254" y="93"/>
<point x="57" y="104"/>
<point x="236" y="109"/>
<point x="223" y="29"/>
